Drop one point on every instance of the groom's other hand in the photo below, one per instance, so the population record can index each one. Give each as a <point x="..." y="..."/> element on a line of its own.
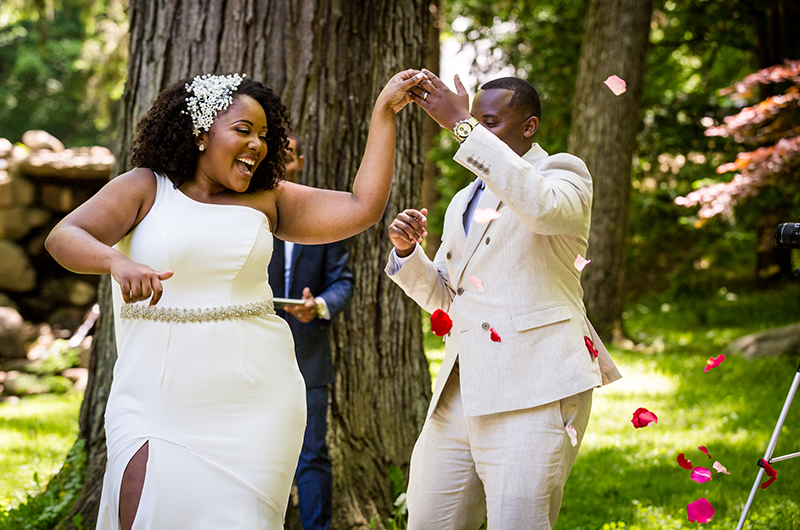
<point x="408" y="229"/>
<point x="441" y="103"/>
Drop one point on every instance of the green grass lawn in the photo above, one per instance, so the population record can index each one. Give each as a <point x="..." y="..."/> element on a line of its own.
<point x="35" y="436"/>
<point x="624" y="477"/>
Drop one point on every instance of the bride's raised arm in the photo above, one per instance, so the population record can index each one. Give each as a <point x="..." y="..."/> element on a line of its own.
<point x="310" y="215"/>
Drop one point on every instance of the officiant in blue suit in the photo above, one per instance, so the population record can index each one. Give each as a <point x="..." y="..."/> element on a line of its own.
<point x="319" y="275"/>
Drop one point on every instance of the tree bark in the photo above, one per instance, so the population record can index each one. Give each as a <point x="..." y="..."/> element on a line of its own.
<point x="328" y="59"/>
<point x="431" y="173"/>
<point x="603" y="134"/>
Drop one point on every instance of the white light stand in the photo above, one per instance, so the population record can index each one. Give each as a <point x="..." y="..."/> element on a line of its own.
<point x="772" y="443"/>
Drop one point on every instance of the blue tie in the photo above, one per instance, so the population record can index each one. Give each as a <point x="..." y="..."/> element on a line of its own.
<point x="473" y="203"/>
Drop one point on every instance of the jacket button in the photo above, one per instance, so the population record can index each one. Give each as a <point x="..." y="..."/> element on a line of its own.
<point x="460" y="291"/>
<point x="486" y="170"/>
<point x="448" y="255"/>
<point x="488" y="239"/>
<point x="480" y="166"/>
<point x="485" y="326"/>
<point x="469" y="160"/>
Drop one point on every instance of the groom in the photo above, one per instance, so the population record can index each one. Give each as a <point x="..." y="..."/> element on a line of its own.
<point x="513" y="396"/>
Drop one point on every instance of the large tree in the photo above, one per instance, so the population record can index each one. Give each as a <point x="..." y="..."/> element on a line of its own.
<point x="329" y="61"/>
<point x="603" y="134"/>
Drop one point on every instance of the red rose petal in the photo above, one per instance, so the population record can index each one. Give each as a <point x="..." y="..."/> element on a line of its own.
<point x="495" y="336"/>
<point x="441" y="323"/>
<point x="685" y="464"/>
<point x="704" y="451"/>
<point x="580" y="262"/>
<point x="771" y="472"/>
<point x="700" y="511"/>
<point x="720" y="468"/>
<point x="590" y="346"/>
<point x="484" y="215"/>
<point x="701" y="474"/>
<point x="643" y="418"/>
<point x="478" y="283"/>
<point x="713" y="362"/>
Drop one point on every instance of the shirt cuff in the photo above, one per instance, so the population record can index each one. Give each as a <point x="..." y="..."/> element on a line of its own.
<point x="326" y="314"/>
<point x="396" y="262"/>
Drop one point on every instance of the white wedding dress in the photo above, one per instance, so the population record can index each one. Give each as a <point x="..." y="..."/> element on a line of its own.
<point x="221" y="403"/>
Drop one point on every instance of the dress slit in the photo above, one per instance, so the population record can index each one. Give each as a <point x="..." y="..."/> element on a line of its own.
<point x="135" y="490"/>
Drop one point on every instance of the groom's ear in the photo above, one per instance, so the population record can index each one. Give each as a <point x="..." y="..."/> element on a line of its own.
<point x="530" y="127"/>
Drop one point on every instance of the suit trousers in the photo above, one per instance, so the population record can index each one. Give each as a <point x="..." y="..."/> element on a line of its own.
<point x="314" y="475"/>
<point x="509" y="466"/>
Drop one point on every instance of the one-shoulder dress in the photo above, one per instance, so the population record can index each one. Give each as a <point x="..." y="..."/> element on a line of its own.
<point x="208" y="377"/>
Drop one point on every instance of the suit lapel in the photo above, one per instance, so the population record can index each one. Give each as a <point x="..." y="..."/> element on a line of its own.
<point x="476" y="231"/>
<point x="296" y="252"/>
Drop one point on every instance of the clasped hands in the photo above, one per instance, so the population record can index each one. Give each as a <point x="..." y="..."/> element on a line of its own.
<point x="447" y="108"/>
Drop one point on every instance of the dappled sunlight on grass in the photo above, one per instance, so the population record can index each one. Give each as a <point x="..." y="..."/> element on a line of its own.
<point x="35" y="436"/>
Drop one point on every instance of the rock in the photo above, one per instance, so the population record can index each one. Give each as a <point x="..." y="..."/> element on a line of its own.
<point x="16" y="272"/>
<point x="18" y="365"/>
<point x="63" y="199"/>
<point x="12" y="334"/>
<point x="69" y="290"/>
<point x="11" y="400"/>
<point x="65" y="318"/>
<point x="16" y="222"/>
<point x="15" y="191"/>
<point x="6" y="301"/>
<point x="5" y="148"/>
<point x="42" y="141"/>
<point x="78" y="376"/>
<point x="2" y="377"/>
<point x="771" y="342"/>
<point x="82" y="293"/>
<point x="82" y="163"/>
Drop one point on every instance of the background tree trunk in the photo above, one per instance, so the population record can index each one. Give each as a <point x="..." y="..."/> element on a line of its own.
<point x="431" y="173"/>
<point x="329" y="60"/>
<point x="603" y="134"/>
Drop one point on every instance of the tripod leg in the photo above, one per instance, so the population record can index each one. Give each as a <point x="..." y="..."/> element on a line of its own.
<point x="771" y="447"/>
<point x="750" y="498"/>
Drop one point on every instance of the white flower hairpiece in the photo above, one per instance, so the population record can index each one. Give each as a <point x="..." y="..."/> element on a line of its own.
<point x="210" y="94"/>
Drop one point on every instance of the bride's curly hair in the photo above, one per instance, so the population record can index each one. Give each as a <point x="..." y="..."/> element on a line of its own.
<point x="165" y="142"/>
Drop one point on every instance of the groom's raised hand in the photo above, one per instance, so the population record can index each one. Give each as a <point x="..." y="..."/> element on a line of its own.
<point x="408" y="229"/>
<point x="441" y="103"/>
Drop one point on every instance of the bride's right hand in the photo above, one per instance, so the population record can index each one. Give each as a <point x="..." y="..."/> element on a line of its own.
<point x="138" y="281"/>
<point x="395" y="95"/>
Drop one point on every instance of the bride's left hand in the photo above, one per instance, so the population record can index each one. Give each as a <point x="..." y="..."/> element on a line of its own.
<point x="395" y="95"/>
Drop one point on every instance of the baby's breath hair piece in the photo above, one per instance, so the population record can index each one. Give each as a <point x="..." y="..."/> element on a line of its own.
<point x="209" y="95"/>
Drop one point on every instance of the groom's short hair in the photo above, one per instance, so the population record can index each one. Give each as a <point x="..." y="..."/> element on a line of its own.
<point x="525" y="98"/>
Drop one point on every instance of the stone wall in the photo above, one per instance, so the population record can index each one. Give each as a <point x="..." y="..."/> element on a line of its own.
<point x="40" y="182"/>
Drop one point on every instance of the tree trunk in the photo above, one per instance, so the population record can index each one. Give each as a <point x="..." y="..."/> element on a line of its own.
<point x="329" y="60"/>
<point x="431" y="173"/>
<point x="603" y="134"/>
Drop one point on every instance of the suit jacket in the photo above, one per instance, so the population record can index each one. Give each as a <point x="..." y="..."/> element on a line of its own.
<point x="324" y="270"/>
<point x="532" y="298"/>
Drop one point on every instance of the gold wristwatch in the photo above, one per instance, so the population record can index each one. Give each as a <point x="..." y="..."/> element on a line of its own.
<point x="463" y="128"/>
<point x="320" y="307"/>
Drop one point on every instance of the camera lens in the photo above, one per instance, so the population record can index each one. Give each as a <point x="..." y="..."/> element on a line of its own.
<point x="788" y="235"/>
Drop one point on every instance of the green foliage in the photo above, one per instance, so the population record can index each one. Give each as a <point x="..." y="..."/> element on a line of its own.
<point x="43" y="511"/>
<point x="63" y="66"/>
<point x="60" y="357"/>
<point x="35" y="436"/>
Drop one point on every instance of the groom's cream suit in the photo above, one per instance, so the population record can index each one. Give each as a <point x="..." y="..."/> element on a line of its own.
<point x="532" y="296"/>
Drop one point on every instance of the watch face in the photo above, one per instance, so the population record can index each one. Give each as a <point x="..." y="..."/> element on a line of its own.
<point x="463" y="129"/>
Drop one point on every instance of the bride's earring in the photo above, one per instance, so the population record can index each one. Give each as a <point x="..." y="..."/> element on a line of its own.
<point x="202" y="147"/>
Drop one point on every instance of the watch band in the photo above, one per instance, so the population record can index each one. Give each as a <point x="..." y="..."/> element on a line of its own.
<point x="320" y="308"/>
<point x="464" y="128"/>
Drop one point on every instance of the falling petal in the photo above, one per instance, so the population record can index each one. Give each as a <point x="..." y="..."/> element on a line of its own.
<point x="713" y="362"/>
<point x="771" y="472"/>
<point x="484" y="215"/>
<point x="581" y="262"/>
<point x="441" y="323"/>
<point x="616" y="84"/>
<point x="701" y="474"/>
<point x="720" y="468"/>
<point x="643" y="418"/>
<point x="685" y="464"/>
<point x="478" y="283"/>
<point x="700" y="511"/>
<point x="590" y="346"/>
<point x="704" y="451"/>
<point x="573" y="434"/>
<point x="495" y="336"/>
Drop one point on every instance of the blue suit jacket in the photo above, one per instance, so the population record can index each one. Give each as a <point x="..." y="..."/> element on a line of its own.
<point x="324" y="270"/>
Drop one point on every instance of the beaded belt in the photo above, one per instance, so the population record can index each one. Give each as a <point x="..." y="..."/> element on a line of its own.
<point x="211" y="314"/>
